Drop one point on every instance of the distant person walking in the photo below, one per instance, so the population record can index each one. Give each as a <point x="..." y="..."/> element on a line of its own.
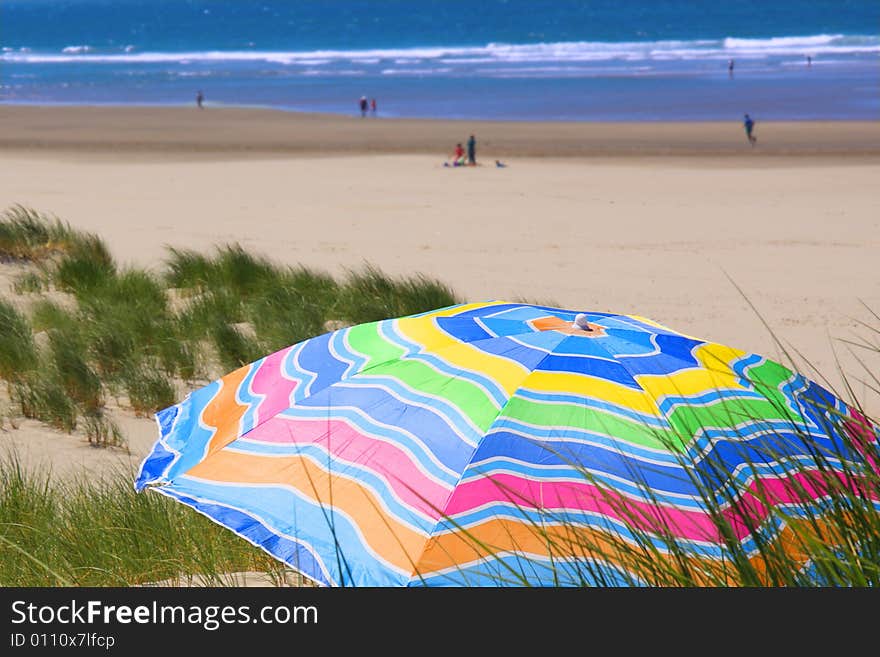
<point x="730" y="67"/>
<point x="363" y="105"/>
<point x="200" y="99"/>
<point x="749" y="125"/>
<point x="809" y="61"/>
<point x="373" y="107"/>
<point x="472" y="151"/>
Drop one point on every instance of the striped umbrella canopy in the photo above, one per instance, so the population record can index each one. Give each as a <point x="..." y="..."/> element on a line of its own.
<point x="511" y="444"/>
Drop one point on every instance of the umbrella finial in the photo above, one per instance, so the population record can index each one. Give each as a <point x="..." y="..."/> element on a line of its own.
<point x="581" y="322"/>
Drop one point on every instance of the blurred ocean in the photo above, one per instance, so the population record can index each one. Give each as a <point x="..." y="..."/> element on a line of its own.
<point x="626" y="60"/>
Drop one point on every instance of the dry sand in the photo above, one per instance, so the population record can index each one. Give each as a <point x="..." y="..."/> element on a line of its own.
<point x="666" y="230"/>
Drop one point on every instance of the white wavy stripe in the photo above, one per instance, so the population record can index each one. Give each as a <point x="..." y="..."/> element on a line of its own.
<point x="257" y="397"/>
<point x="289" y="360"/>
<point x="376" y="381"/>
<point x="162" y="442"/>
<point x="695" y="456"/>
<point x="766" y="471"/>
<point x="746" y="543"/>
<point x="479" y="322"/>
<point x="299" y="494"/>
<point x="256" y="517"/>
<point x="500" y="314"/>
<point x="365" y="357"/>
<point x="791" y="393"/>
<point x="746" y="371"/>
<point x="571" y="51"/>
<point x="775" y="469"/>
<point x="334" y="351"/>
<point x="340" y="474"/>
<point x="615" y="440"/>
<point x="412" y="457"/>
<point x="741" y="433"/>
<point x="577" y="477"/>
<point x="657" y="350"/>
<point x="599" y="519"/>
<point x="212" y="430"/>
<point x="475" y="373"/>
<point x="423" y="356"/>
<point x="305" y="384"/>
<point x="371" y="421"/>
<point x="510" y="502"/>
<point x="594" y="404"/>
<point x="688" y="365"/>
<point x="690" y="401"/>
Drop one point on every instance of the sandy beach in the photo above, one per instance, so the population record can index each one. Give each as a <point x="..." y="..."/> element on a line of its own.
<point x="236" y="132"/>
<point x="659" y="220"/>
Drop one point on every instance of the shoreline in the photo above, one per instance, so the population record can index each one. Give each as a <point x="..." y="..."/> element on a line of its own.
<point x="249" y="132"/>
<point x="221" y="106"/>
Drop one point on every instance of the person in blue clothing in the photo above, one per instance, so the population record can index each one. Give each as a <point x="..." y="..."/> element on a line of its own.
<point x="749" y="125"/>
<point x="472" y="151"/>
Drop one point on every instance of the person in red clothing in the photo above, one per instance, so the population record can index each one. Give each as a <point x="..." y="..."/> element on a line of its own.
<point x="458" y="159"/>
<point x="373" y="107"/>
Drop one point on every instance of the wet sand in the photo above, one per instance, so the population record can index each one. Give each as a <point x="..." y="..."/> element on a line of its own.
<point x="226" y="132"/>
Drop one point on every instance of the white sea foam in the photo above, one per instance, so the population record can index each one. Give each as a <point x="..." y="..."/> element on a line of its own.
<point x="492" y="53"/>
<point x="417" y="71"/>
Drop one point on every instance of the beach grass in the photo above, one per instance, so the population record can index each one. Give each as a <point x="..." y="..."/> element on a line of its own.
<point x="148" y="390"/>
<point x="369" y="295"/>
<point x="148" y="338"/>
<point x="99" y="532"/>
<point x="40" y="395"/>
<point x="84" y="267"/>
<point x="29" y="235"/>
<point x="234" y="347"/>
<point x="18" y="352"/>
<point x="231" y="268"/>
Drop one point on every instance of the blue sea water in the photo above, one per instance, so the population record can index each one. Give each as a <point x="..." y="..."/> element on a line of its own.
<point x="501" y="59"/>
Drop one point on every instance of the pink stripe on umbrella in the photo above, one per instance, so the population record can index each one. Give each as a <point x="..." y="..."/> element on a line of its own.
<point x="408" y="481"/>
<point x="275" y="388"/>
<point x="749" y="511"/>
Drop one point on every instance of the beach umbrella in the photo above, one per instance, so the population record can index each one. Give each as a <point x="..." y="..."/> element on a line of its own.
<point x="514" y="444"/>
